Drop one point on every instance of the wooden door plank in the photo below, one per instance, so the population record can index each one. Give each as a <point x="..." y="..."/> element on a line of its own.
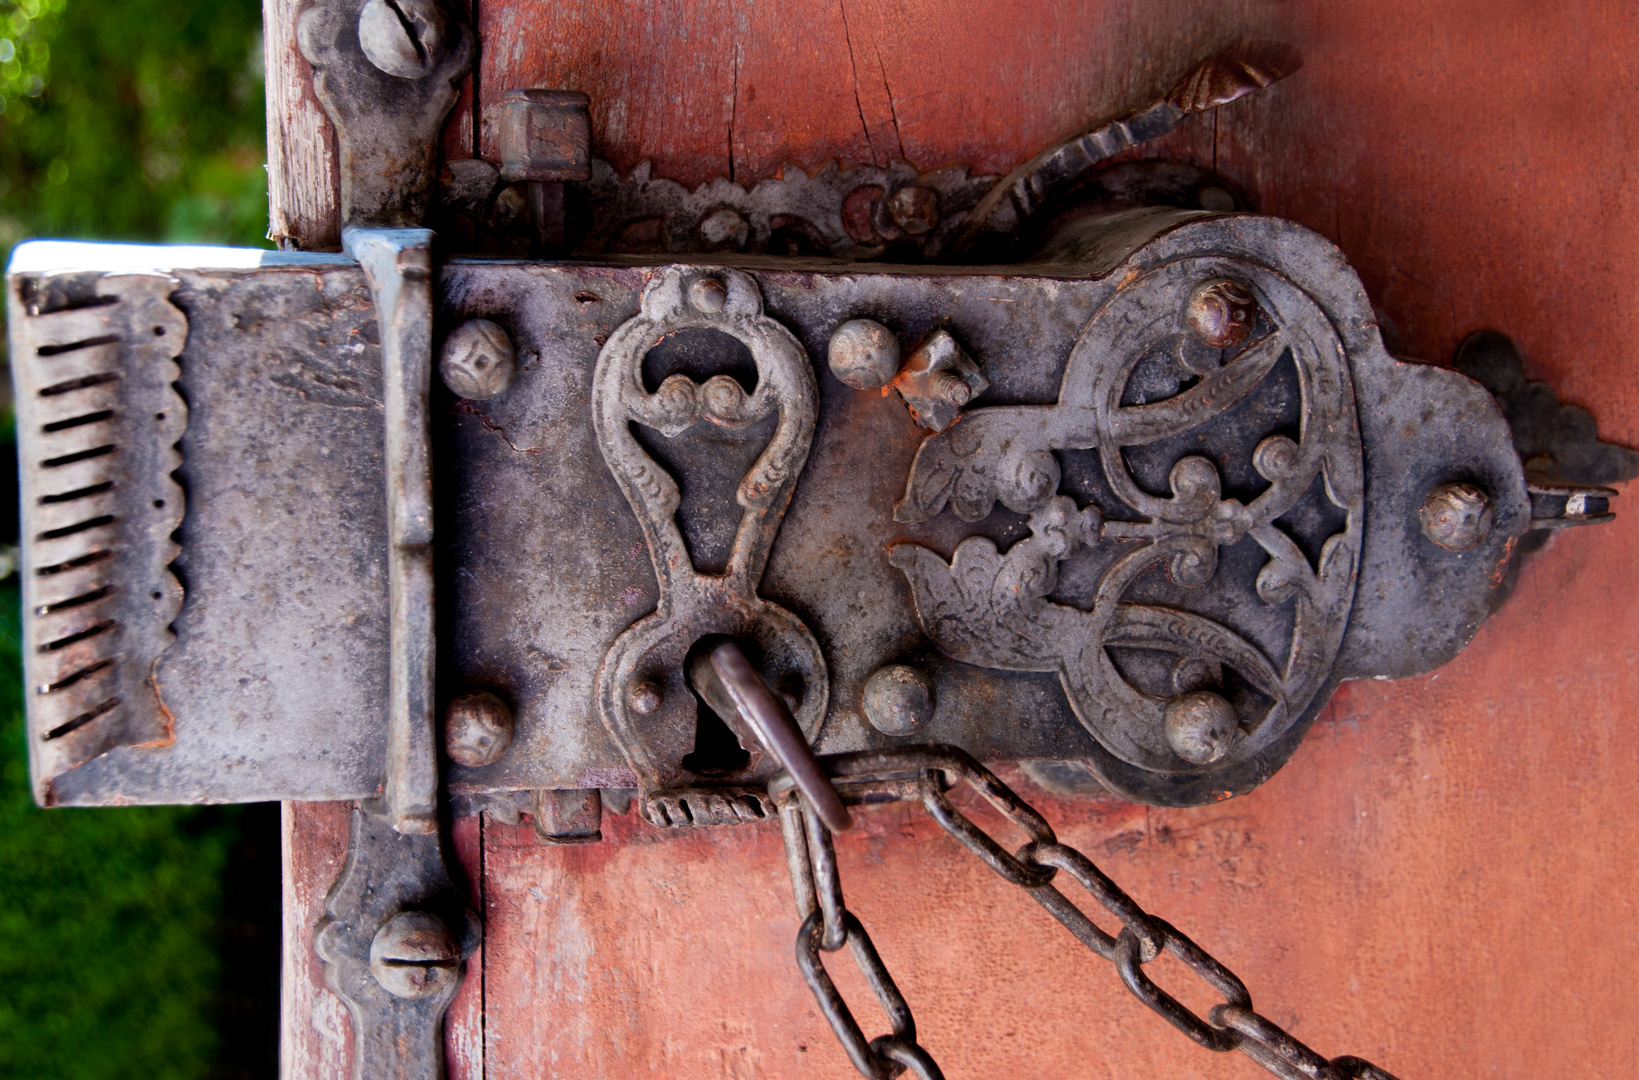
<point x="739" y="89"/>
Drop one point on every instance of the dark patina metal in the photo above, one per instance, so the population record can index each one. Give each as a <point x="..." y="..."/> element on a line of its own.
<point x="388" y="119"/>
<point x="1289" y="428"/>
<point x="1135" y="505"/>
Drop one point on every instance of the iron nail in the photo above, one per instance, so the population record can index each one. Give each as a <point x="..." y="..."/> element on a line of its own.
<point x="1200" y="726"/>
<point x="1220" y="313"/>
<point x="898" y="700"/>
<point x="863" y="354"/>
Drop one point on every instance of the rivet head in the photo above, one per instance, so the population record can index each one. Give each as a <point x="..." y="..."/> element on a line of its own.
<point x="1458" y="517"/>
<point x="413" y="955"/>
<point x="1220" y="313"/>
<point x="405" y="38"/>
<point x="1200" y="726"/>
<point x="898" y="700"/>
<point x="708" y="295"/>
<point x="724" y="229"/>
<point x="914" y="209"/>
<point x="477" y="729"/>
<point x="477" y="361"/>
<point x="864" y="354"/>
<point x="645" y="697"/>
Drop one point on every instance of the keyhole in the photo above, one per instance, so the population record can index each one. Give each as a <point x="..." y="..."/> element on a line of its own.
<point x="717" y="752"/>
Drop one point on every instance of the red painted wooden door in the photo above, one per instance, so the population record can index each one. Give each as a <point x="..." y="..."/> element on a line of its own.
<point x="1442" y="878"/>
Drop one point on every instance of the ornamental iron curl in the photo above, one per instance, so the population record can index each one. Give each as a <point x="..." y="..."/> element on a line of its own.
<point x="1005" y="610"/>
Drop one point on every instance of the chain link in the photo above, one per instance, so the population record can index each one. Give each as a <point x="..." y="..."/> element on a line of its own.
<point x="925" y="773"/>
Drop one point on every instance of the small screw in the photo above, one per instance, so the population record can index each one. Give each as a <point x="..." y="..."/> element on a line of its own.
<point x="914" y="209"/>
<point x="1457" y="516"/>
<point x="477" y="361"/>
<point x="477" y="729"/>
<point x="402" y="37"/>
<point x="898" y="700"/>
<point x="414" y="956"/>
<point x="1220" y="313"/>
<point x="645" y="698"/>
<point x="1200" y="726"/>
<point x="708" y="295"/>
<point x="863" y="354"/>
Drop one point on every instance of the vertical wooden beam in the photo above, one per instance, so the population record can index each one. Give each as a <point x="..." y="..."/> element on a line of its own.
<point x="303" y="184"/>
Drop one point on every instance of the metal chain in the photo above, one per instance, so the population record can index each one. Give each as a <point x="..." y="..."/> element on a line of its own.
<point x="924" y="773"/>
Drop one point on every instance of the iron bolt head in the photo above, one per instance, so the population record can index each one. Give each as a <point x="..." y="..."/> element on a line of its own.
<point x="898" y="700"/>
<point x="914" y="209"/>
<point x="413" y="955"/>
<point x="864" y="354"/>
<point x="1221" y="312"/>
<point x="1457" y="516"/>
<point x="402" y="37"/>
<point x="477" y="729"/>
<point x="708" y="295"/>
<point x="645" y="697"/>
<point x="477" y="361"/>
<point x="546" y="136"/>
<point x="1200" y="726"/>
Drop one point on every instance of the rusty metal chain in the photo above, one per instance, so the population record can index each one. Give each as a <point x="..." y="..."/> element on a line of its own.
<point x="924" y="773"/>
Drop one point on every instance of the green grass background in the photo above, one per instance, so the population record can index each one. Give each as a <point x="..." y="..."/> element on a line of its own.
<point x="130" y="120"/>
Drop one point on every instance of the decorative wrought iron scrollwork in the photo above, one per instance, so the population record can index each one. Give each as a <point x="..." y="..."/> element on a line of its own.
<point x="1142" y="382"/>
<point x="641" y="689"/>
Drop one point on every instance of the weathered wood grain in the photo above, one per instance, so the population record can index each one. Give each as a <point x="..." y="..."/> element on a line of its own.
<point x="303" y="185"/>
<point x="735" y="88"/>
<point x="315" y="1034"/>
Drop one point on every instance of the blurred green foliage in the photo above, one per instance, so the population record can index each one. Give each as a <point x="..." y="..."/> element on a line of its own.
<point x="108" y="946"/>
<point x="130" y="120"/>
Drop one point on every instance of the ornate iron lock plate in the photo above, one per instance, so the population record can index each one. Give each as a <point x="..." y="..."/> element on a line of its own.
<point x="1127" y="525"/>
<point x="1137" y="505"/>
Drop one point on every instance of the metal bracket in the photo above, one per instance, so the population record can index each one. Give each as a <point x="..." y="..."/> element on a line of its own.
<point x="386" y="72"/>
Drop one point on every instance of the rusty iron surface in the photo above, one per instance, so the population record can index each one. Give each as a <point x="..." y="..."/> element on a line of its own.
<point x="1395" y="881"/>
<point x="1218" y="505"/>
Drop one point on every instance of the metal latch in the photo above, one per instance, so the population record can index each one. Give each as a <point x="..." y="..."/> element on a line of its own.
<point x="1127" y="482"/>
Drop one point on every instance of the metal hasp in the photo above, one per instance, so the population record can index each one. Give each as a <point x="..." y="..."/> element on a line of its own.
<point x="1133" y="504"/>
<point x="1133" y="550"/>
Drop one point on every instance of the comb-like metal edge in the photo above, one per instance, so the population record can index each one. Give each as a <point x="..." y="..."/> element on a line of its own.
<point x="99" y="420"/>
